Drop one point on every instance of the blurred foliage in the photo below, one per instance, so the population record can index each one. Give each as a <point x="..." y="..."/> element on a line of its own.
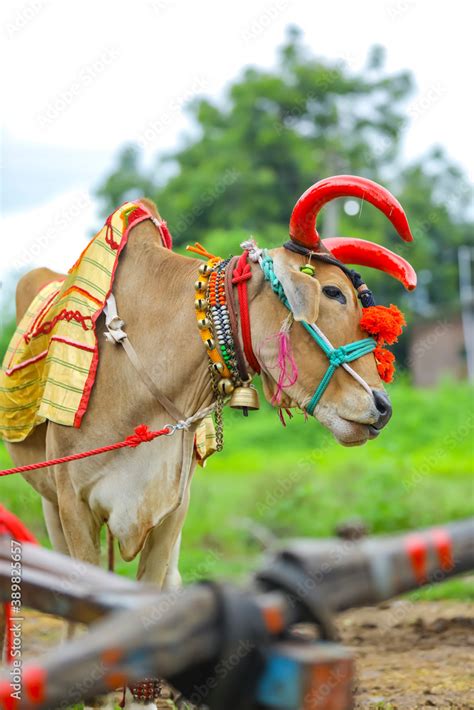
<point x="7" y="312"/>
<point x="251" y="155"/>
<point x="6" y="332"/>
<point x="299" y="481"/>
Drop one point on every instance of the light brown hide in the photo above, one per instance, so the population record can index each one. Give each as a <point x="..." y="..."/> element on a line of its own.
<point x="142" y="494"/>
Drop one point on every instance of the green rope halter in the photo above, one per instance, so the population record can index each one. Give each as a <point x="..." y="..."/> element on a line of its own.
<point x="336" y="356"/>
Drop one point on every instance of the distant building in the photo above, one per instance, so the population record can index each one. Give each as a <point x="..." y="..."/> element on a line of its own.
<point x="437" y="349"/>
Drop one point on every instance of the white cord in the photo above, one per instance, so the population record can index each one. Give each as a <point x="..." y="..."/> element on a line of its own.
<point x="186" y="423"/>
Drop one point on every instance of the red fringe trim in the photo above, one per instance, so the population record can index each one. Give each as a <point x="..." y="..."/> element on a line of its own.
<point x="47" y="327"/>
<point x="385" y="363"/>
<point x="109" y="234"/>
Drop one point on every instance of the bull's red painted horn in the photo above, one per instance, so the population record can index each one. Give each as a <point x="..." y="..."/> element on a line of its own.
<point x="364" y="253"/>
<point x="303" y="218"/>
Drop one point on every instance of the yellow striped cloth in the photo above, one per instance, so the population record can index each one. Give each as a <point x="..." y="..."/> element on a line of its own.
<point x="49" y="368"/>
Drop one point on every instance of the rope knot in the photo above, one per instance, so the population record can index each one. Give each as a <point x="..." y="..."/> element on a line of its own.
<point x="140" y="435"/>
<point x="337" y="357"/>
<point x="242" y="272"/>
<point x="184" y="424"/>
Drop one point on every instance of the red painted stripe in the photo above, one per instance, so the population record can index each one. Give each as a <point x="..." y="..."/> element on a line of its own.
<point x="11" y="525"/>
<point x="34" y="680"/>
<point x="6" y="700"/>
<point x="444" y="548"/>
<point x="417" y="550"/>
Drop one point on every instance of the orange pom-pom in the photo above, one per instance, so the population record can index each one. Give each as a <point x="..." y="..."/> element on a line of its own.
<point x="385" y="324"/>
<point x="385" y="363"/>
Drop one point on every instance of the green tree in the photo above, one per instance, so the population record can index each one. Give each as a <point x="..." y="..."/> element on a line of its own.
<point x="126" y="181"/>
<point x="274" y="134"/>
<point x="7" y="317"/>
<point x="277" y="132"/>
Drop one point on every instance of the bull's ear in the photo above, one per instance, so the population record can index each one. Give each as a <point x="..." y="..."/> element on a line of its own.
<point x="302" y="291"/>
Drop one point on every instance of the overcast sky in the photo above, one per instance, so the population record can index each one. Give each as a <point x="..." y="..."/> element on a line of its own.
<point x="82" y="78"/>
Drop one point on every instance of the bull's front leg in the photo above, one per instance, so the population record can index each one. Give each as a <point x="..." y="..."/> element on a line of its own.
<point x="160" y="556"/>
<point x="159" y="565"/>
<point x="81" y="532"/>
<point x="80" y="527"/>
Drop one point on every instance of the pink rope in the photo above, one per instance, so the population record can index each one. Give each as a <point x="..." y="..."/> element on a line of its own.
<point x="288" y="370"/>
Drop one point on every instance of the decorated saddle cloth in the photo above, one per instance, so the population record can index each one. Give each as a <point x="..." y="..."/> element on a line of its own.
<point x="50" y="366"/>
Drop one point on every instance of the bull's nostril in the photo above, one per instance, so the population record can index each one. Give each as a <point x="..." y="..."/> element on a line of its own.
<point x="382" y="402"/>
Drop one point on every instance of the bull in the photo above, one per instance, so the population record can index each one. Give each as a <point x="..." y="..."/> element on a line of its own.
<point x="143" y="494"/>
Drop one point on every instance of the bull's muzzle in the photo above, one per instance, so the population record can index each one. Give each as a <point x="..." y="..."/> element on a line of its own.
<point x="384" y="408"/>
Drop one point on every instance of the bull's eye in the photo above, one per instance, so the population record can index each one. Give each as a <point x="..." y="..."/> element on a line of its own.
<point x="335" y="293"/>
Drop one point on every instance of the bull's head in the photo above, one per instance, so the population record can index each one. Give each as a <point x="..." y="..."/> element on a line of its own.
<point x="354" y="406"/>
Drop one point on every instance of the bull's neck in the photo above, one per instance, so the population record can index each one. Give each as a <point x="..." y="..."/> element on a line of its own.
<point x="155" y="291"/>
<point x="155" y="294"/>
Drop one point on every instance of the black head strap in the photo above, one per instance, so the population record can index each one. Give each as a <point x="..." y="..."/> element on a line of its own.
<point x="363" y="292"/>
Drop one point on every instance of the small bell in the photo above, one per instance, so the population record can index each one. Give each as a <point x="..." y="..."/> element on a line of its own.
<point x="307" y="269"/>
<point x="225" y="387"/>
<point x="245" y="398"/>
<point x="200" y="285"/>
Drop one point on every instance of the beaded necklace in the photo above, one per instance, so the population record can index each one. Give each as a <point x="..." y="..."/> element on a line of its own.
<point x="221" y="325"/>
<point x="215" y="327"/>
<point x="213" y="321"/>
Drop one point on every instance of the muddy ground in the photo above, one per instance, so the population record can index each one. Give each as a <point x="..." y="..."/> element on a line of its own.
<point x="412" y="655"/>
<point x="408" y="655"/>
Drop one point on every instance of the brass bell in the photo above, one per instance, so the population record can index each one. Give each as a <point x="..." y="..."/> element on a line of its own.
<point x="204" y="269"/>
<point x="245" y="398"/>
<point x="200" y="285"/>
<point x="201" y="304"/>
<point x="204" y="323"/>
<point x="218" y="367"/>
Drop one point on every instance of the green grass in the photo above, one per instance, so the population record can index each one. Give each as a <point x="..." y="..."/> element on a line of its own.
<point x="299" y="482"/>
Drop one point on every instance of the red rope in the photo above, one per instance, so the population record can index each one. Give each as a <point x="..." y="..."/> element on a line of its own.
<point x="140" y="435"/>
<point x="242" y="273"/>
